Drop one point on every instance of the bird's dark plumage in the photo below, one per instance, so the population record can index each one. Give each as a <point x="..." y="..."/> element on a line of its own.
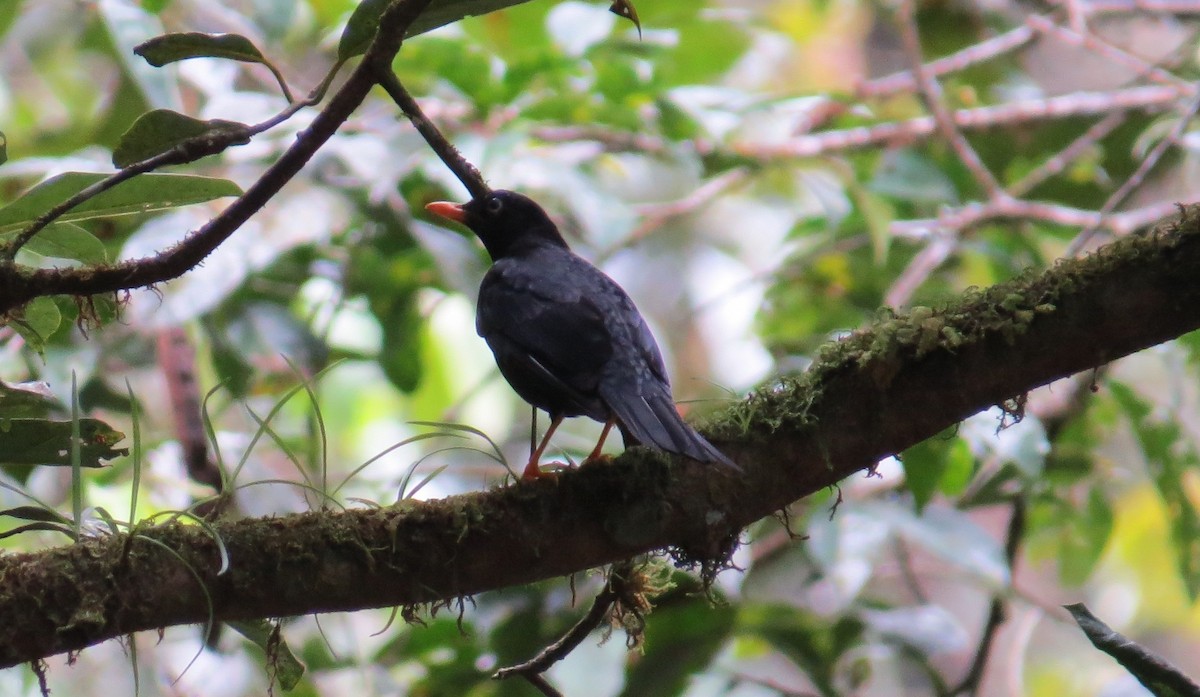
<point x="566" y="336"/>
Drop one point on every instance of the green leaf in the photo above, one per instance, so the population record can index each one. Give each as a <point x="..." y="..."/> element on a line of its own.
<point x="169" y="48"/>
<point x="680" y="640"/>
<point x="44" y="527"/>
<point x="360" y="29"/>
<point x="924" y="464"/>
<point x="39" y="319"/>
<point x="3" y="148"/>
<point x="35" y="513"/>
<point x="8" y="14"/>
<point x="142" y="194"/>
<point x="158" y="131"/>
<point x="68" y="241"/>
<point x="1082" y="536"/>
<point x="364" y="21"/>
<point x="940" y="464"/>
<point x="813" y="643"/>
<point x="47" y="442"/>
<point x="285" y="667"/>
<point x="1171" y="459"/>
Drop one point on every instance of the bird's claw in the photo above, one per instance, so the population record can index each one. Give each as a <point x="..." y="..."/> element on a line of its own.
<point x="534" y="472"/>
<point x="601" y="459"/>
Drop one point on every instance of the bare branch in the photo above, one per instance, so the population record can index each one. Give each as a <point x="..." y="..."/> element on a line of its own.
<point x="1063" y="158"/>
<point x="931" y="94"/>
<point x="974" y="214"/>
<point x="1150" y="98"/>
<point x="453" y="159"/>
<point x="1135" y="180"/>
<point x="904" y="81"/>
<point x="1116" y="55"/>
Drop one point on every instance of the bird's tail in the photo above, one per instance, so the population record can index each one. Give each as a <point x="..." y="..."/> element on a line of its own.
<point x="652" y="420"/>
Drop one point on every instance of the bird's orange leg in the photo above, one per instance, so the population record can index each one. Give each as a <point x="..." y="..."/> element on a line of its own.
<point x="595" y="454"/>
<point x="531" y="469"/>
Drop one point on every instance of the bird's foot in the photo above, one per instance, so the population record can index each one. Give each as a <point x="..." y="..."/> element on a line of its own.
<point x="597" y="459"/>
<point x="533" y="471"/>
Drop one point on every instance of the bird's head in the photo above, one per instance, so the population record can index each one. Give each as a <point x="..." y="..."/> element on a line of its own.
<point x="505" y="221"/>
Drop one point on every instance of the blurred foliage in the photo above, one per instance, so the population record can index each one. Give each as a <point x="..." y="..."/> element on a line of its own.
<point x="343" y="286"/>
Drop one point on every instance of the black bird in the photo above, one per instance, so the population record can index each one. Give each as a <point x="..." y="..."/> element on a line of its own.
<point x="566" y="336"/>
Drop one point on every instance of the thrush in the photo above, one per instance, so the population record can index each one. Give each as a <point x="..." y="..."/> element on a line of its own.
<point x="566" y="337"/>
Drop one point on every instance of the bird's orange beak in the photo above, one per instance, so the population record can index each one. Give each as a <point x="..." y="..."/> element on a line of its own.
<point x="450" y="211"/>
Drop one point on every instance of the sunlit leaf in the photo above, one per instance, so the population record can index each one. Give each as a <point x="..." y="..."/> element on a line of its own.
<point x="142" y="194"/>
<point x="162" y="129"/>
<point x="169" y="48"/>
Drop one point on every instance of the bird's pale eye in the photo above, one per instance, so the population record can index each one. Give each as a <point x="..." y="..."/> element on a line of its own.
<point x="494" y="205"/>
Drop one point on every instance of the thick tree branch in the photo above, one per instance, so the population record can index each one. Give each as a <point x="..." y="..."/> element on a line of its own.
<point x="872" y="394"/>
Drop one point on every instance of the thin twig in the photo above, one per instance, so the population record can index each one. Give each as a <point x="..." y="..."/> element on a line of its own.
<point x="464" y="170"/>
<point x="566" y="644"/>
<point x="541" y="684"/>
<point x="1063" y="158"/>
<point x="613" y="140"/>
<point x="1090" y="42"/>
<point x="656" y="215"/>
<point x="922" y="265"/>
<point x="185" y="152"/>
<point x="931" y="93"/>
<point x="22" y="285"/>
<point x="904" y="81"/>
<point x="996" y="614"/>
<point x="1135" y="179"/>
<point x="1147" y="98"/>
<point x="1174" y="7"/>
<point x="974" y="214"/>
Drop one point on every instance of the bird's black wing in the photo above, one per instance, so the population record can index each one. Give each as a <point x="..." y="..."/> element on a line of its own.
<point x="549" y="338"/>
<point x="639" y="395"/>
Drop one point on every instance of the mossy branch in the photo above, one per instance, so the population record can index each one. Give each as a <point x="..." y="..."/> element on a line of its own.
<point x="873" y="394"/>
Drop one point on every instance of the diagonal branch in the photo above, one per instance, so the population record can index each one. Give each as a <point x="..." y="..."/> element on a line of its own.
<point x="450" y="156"/>
<point x="18" y="285"/>
<point x="872" y="394"/>
<point x="931" y="94"/>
